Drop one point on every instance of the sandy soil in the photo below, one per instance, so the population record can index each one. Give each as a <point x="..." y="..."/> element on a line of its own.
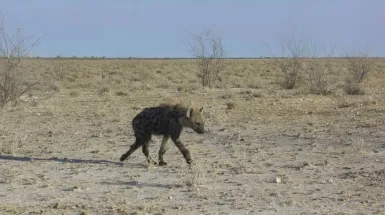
<point x="266" y="151"/>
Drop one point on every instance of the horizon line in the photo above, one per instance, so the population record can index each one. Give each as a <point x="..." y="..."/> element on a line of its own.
<point x="188" y="58"/>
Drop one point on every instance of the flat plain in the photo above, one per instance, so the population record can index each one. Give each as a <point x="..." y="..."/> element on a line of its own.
<point x="267" y="150"/>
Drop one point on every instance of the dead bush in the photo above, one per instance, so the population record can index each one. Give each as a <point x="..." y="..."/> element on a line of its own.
<point x="290" y="70"/>
<point x="209" y="53"/>
<point x="16" y="79"/>
<point x="320" y="77"/>
<point x="290" y="64"/>
<point x="353" y="88"/>
<point x="359" y="65"/>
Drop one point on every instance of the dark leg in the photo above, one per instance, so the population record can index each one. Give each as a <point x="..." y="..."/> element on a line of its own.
<point x="185" y="152"/>
<point x="133" y="147"/>
<point x="147" y="153"/>
<point x="162" y="150"/>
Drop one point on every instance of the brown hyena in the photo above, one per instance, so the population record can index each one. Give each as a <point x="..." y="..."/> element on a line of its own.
<point x="169" y="121"/>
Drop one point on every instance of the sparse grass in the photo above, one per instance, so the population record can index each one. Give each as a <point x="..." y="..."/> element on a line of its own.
<point x="200" y="173"/>
<point x="103" y="89"/>
<point x="239" y="167"/>
<point x="12" y="145"/>
<point x="121" y="93"/>
<point x="343" y="101"/>
<point x="194" y="176"/>
<point x="74" y="93"/>
<point x="359" y="146"/>
<point x="227" y="95"/>
<point x="7" y="147"/>
<point x="256" y="134"/>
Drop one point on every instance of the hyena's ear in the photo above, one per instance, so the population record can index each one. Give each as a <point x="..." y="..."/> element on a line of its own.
<point x="201" y="109"/>
<point x="189" y="112"/>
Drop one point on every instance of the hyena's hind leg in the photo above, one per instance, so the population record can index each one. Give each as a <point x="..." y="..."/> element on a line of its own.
<point x="138" y="143"/>
<point x="163" y="148"/>
<point x="146" y="152"/>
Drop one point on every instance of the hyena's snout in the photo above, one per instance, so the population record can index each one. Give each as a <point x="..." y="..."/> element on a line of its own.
<point x="200" y="130"/>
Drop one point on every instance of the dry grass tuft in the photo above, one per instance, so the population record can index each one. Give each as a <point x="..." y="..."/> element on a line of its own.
<point x="121" y="93"/>
<point x="74" y="93"/>
<point x="198" y="174"/>
<point x="342" y="101"/>
<point x="103" y="89"/>
<point x="353" y="88"/>
<point x="359" y="146"/>
<point x="230" y="105"/>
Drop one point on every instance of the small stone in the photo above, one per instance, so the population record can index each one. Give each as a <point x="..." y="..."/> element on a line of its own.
<point x="278" y="180"/>
<point x="56" y="205"/>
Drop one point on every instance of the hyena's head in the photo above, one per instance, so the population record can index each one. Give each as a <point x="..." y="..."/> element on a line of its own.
<point x="194" y="119"/>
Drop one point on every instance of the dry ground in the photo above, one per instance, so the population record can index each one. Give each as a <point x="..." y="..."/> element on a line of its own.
<point x="267" y="150"/>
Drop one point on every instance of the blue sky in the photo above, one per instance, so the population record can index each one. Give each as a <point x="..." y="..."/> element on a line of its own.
<point x="154" y="28"/>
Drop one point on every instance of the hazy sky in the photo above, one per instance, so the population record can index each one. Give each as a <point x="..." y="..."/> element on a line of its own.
<point x="154" y="28"/>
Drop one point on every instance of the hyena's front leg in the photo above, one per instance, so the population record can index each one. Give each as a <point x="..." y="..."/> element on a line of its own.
<point x="185" y="152"/>
<point x="163" y="148"/>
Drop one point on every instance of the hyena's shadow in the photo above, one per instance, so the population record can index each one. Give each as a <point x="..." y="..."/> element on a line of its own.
<point x="56" y="159"/>
<point x="139" y="184"/>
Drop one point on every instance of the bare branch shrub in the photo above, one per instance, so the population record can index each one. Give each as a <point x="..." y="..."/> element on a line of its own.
<point x="302" y="62"/>
<point x="14" y="80"/>
<point x="290" y="69"/>
<point x="209" y="53"/>
<point x="320" y="75"/>
<point x="290" y="65"/>
<point x="359" y="65"/>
